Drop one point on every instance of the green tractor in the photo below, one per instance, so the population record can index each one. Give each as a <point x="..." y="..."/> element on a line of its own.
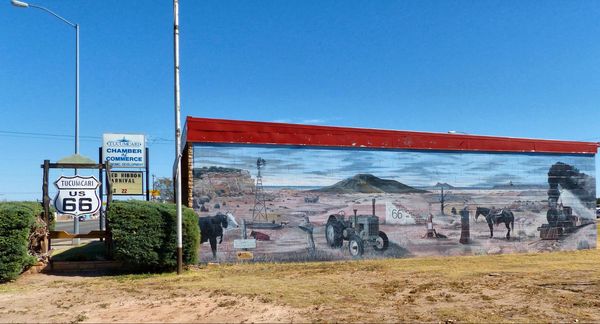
<point x="358" y="230"/>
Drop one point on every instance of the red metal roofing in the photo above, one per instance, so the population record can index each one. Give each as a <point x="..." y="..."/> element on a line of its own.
<point x="208" y="130"/>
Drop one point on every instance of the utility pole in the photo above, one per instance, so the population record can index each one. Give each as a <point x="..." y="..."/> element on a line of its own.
<point x="442" y="199"/>
<point x="177" y="175"/>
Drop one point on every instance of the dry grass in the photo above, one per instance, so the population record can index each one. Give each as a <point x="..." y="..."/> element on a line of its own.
<point x="542" y="287"/>
<point x="547" y="287"/>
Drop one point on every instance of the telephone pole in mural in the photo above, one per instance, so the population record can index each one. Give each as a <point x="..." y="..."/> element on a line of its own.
<point x="260" y="203"/>
<point x="443" y="199"/>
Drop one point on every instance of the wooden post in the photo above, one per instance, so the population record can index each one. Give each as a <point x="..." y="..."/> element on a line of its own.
<point x="147" y="175"/>
<point x="442" y="200"/>
<point x="307" y="227"/>
<point x="244" y="234"/>
<point x="46" y="200"/>
<point x="100" y="188"/>
<point x="464" y="225"/>
<point x="373" y="201"/>
<point x="311" y="243"/>
<point x="109" y="190"/>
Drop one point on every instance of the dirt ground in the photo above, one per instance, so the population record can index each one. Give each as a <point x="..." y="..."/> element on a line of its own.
<point x="71" y="299"/>
<point x="545" y="287"/>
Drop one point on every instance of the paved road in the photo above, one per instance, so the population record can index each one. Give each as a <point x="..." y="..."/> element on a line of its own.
<point x="84" y="227"/>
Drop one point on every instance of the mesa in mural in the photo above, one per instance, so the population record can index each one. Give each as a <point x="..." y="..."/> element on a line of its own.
<point x="306" y="203"/>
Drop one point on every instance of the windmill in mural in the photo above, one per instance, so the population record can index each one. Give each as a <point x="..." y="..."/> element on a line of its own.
<point x="259" y="212"/>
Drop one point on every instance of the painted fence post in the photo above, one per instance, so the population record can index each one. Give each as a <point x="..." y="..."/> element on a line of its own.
<point x="464" y="225"/>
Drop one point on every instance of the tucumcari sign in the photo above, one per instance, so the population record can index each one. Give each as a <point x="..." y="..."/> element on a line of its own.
<point x="77" y="195"/>
<point x="124" y="150"/>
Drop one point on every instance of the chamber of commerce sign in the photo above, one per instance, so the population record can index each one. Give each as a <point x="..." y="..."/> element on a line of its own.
<point x="127" y="183"/>
<point x="77" y="195"/>
<point x="124" y="150"/>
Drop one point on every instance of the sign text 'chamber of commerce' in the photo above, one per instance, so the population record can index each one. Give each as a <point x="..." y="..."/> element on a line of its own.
<point x="124" y="150"/>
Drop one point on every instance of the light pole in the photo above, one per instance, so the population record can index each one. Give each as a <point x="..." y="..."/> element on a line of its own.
<point x="177" y="166"/>
<point x="21" y="4"/>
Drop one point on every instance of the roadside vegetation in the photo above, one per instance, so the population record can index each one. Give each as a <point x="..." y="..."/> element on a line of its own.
<point x="144" y="235"/>
<point x="19" y="222"/>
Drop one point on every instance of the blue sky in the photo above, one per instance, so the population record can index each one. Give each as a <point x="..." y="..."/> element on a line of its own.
<point x="507" y="68"/>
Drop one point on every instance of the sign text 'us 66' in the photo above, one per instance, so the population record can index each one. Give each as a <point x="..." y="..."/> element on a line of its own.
<point x="77" y="195"/>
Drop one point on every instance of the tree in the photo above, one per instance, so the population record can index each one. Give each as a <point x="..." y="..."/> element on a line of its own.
<point x="165" y="187"/>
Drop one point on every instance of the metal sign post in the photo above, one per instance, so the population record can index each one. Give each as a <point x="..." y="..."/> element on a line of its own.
<point x="147" y="174"/>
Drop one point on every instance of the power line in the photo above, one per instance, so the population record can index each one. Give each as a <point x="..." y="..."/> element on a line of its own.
<point x="150" y="139"/>
<point x="44" y="134"/>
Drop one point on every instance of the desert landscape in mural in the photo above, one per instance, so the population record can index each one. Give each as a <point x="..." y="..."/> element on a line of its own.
<point x="548" y="205"/>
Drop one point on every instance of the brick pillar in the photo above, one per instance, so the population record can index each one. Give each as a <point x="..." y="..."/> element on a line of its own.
<point x="187" y="175"/>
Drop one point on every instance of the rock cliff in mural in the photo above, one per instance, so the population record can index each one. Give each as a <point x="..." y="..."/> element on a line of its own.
<point x="222" y="182"/>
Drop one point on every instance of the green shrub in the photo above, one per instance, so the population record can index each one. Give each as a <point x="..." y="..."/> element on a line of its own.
<point x="16" y="222"/>
<point x="145" y="238"/>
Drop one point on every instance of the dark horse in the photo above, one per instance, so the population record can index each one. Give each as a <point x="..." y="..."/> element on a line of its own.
<point x="496" y="217"/>
<point x="212" y="227"/>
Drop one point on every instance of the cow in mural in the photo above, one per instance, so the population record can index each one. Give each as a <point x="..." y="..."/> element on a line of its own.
<point x="497" y="216"/>
<point x="212" y="227"/>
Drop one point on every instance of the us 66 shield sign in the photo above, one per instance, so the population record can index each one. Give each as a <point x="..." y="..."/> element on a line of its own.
<point x="77" y="195"/>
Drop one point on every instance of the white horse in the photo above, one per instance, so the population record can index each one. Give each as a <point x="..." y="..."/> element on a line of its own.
<point x="231" y="219"/>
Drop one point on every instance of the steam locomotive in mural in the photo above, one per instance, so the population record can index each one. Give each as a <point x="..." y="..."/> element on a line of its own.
<point x="561" y="219"/>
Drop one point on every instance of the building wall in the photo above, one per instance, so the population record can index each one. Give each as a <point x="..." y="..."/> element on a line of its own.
<point x="303" y="186"/>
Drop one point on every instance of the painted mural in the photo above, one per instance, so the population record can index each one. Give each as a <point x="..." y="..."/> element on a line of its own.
<point x="278" y="203"/>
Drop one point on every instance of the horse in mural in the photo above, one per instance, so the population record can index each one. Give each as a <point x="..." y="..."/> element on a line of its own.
<point x="212" y="227"/>
<point x="497" y="216"/>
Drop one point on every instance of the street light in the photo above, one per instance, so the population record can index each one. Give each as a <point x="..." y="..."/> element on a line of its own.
<point x="22" y="4"/>
<point x="177" y="164"/>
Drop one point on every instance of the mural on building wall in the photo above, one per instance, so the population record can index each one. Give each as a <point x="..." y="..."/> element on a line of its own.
<point x="298" y="204"/>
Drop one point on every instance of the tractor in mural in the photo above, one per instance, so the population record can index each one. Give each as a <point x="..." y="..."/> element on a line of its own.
<point x="358" y="230"/>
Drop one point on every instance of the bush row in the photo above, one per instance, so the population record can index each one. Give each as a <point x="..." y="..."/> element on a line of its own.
<point x="144" y="235"/>
<point x="17" y="220"/>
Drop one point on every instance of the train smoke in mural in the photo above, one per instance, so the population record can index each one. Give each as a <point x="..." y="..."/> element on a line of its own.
<point x="570" y="178"/>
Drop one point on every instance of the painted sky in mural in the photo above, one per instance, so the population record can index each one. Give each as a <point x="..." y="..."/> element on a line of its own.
<point x="314" y="167"/>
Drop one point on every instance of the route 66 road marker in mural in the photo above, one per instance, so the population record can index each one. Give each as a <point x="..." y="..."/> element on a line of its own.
<point x="77" y="195"/>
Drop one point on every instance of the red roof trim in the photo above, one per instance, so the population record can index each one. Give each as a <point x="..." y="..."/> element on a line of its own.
<point x="207" y="130"/>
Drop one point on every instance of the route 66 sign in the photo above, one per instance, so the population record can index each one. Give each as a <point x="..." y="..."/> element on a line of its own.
<point x="77" y="195"/>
